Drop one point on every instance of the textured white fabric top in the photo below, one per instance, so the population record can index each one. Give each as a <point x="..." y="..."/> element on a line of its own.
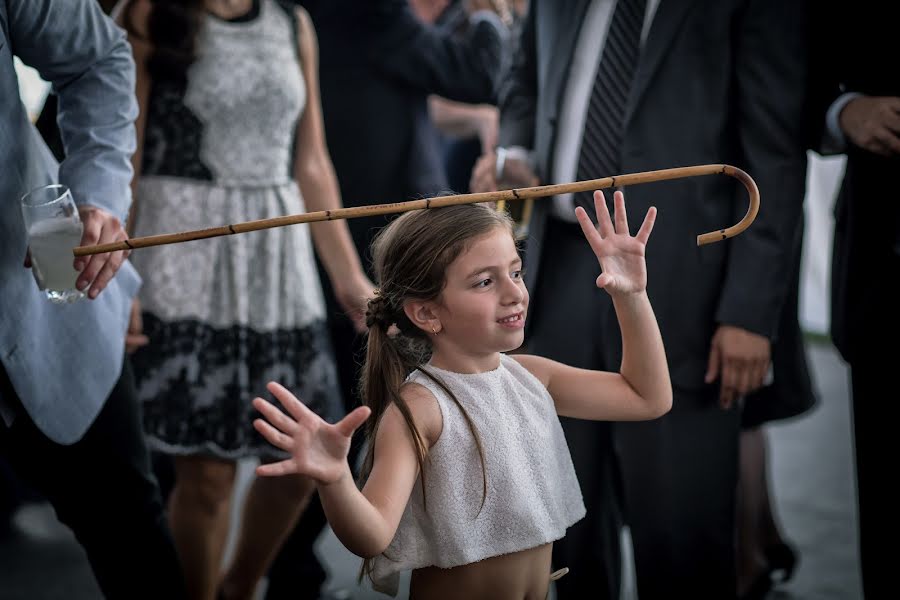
<point x="532" y="492"/>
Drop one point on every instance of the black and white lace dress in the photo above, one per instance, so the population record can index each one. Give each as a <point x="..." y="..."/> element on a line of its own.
<point x="226" y="315"/>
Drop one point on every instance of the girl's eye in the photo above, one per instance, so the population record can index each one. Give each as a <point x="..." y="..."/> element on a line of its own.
<point x="483" y="283"/>
<point x="517" y="274"/>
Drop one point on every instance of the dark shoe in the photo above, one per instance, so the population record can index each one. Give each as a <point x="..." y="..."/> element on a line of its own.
<point x="782" y="561"/>
<point x="759" y="589"/>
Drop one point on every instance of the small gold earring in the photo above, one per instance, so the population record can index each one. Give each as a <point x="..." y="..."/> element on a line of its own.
<point x="433" y="330"/>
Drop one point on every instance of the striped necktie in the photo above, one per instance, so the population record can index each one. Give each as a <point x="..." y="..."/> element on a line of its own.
<point x="603" y="133"/>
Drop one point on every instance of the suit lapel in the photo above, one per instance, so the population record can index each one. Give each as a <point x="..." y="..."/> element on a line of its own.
<point x="666" y="22"/>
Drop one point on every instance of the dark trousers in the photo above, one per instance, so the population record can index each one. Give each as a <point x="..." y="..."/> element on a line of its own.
<point x="672" y="480"/>
<point x="874" y="385"/>
<point x="565" y="314"/>
<point x="680" y="477"/>
<point x="102" y="488"/>
<point x="874" y="441"/>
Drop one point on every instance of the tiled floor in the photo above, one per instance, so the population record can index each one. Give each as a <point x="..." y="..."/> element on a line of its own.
<point x="812" y="481"/>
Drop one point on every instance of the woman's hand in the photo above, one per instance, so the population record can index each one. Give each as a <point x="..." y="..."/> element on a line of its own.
<point x="353" y="295"/>
<point x="318" y="449"/>
<point x="739" y="359"/>
<point x="621" y="256"/>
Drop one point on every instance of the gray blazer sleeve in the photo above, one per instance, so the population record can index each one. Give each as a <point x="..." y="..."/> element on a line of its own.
<point x="518" y="91"/>
<point x="770" y="74"/>
<point x="87" y="60"/>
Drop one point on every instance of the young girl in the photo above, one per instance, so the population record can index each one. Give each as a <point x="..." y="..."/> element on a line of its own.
<point x="468" y="480"/>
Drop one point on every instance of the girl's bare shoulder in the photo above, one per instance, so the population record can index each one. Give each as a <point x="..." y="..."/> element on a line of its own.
<point x="423" y="408"/>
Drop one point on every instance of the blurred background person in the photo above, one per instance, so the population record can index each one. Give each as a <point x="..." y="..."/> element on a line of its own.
<point x="465" y="131"/>
<point x="602" y="87"/>
<point x="69" y="420"/>
<point x="231" y="131"/>
<point x="858" y="96"/>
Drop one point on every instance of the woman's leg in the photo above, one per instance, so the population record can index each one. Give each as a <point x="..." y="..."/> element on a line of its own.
<point x="752" y="494"/>
<point x="781" y="555"/>
<point x="770" y="530"/>
<point x="272" y="508"/>
<point x="199" y="517"/>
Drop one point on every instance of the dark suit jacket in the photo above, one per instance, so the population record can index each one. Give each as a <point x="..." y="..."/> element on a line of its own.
<point x="378" y="64"/>
<point x="719" y="81"/>
<point x="867" y="211"/>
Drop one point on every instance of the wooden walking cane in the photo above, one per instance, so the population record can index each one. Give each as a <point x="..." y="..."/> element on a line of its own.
<point x="502" y="195"/>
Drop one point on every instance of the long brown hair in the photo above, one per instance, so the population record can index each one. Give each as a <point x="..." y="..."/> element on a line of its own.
<point x="172" y="29"/>
<point x="411" y="257"/>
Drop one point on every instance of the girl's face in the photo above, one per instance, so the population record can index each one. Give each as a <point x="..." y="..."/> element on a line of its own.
<point x="482" y="307"/>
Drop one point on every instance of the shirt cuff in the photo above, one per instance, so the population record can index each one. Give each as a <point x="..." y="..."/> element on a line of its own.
<point x="506" y="153"/>
<point x="833" y="139"/>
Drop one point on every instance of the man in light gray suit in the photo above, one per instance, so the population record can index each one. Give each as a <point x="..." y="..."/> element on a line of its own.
<point x="704" y="81"/>
<point x="70" y="424"/>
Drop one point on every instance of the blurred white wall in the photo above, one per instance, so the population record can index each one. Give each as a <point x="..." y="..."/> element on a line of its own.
<point x="822" y="182"/>
<point x="32" y="89"/>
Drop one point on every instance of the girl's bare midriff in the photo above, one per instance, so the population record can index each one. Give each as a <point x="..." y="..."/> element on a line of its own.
<point x="521" y="575"/>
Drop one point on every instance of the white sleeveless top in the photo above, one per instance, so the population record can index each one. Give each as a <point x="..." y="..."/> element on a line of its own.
<point x="532" y="491"/>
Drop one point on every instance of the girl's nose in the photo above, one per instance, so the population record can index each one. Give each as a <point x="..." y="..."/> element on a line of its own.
<point x="513" y="291"/>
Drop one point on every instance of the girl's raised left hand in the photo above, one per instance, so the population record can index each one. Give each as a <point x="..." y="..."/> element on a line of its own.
<point x="621" y="255"/>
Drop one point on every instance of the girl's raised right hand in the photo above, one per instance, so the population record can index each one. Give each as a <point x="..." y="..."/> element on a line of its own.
<point x="318" y="449"/>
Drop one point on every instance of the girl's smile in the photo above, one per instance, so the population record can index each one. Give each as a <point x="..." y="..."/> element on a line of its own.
<point x="481" y="310"/>
<point x="514" y="321"/>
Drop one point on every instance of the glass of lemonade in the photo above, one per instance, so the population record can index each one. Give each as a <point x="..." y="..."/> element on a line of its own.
<point x="54" y="229"/>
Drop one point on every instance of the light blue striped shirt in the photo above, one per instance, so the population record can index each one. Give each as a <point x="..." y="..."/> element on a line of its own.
<point x="64" y="360"/>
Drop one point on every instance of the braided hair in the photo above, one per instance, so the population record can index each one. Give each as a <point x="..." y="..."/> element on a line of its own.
<point x="411" y="258"/>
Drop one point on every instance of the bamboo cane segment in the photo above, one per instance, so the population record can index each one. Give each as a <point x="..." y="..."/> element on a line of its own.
<point x="511" y="195"/>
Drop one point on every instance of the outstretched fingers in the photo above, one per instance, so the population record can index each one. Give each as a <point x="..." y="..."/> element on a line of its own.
<point x="290" y="402"/>
<point x="274" y="436"/>
<point x="643" y="233"/>
<point x="274" y="416"/>
<point x="284" y="467"/>
<point x="621" y="214"/>
<point x="590" y="232"/>
<point x="351" y="422"/>
<point x="604" y="223"/>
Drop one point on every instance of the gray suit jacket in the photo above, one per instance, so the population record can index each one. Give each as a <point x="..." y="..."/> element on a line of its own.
<point x="719" y="81"/>
<point x="64" y="360"/>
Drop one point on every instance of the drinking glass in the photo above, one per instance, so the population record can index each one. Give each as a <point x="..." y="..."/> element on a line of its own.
<point x="54" y="229"/>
